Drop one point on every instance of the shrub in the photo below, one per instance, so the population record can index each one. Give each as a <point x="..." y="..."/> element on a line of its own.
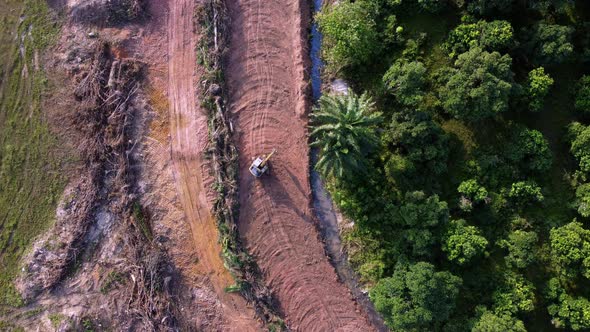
<point x="349" y="32"/>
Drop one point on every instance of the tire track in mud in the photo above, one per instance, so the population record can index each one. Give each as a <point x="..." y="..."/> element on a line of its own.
<point x="188" y="128"/>
<point x="268" y="100"/>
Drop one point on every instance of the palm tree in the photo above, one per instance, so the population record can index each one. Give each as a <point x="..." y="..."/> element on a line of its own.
<point x="343" y="128"/>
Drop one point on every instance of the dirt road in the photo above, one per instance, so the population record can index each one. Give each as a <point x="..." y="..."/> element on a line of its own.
<point x="268" y="99"/>
<point x="188" y="129"/>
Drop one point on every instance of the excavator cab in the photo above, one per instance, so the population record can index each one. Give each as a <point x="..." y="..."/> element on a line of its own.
<point x="260" y="165"/>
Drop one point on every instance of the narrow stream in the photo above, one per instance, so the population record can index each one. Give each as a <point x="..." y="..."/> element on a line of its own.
<point x="322" y="202"/>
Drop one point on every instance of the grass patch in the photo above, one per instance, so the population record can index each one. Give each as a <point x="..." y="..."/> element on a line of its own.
<point x="56" y="319"/>
<point x="30" y="181"/>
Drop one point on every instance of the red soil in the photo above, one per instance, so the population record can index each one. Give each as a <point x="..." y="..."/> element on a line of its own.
<point x="267" y="81"/>
<point x="188" y="129"/>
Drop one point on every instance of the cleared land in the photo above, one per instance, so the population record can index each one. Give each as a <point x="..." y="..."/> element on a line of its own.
<point x="268" y="99"/>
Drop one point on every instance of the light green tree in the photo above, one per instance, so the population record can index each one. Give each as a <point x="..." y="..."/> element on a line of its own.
<point x="463" y="242"/>
<point x="538" y="85"/>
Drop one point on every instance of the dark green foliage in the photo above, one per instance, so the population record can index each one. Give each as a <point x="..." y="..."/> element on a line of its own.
<point x="551" y="6"/>
<point x="485" y="7"/>
<point x="570" y="250"/>
<point x="405" y="81"/>
<point x="515" y="295"/>
<point x="537" y="88"/>
<point x="525" y="192"/>
<point x="393" y="31"/>
<point x="491" y="322"/>
<point x="419" y="216"/>
<point x="462" y="242"/>
<point x="460" y="128"/>
<point x="582" y="102"/>
<point x="551" y="43"/>
<point x="343" y="129"/>
<point x="350" y="34"/>
<point x="430" y="6"/>
<point x="566" y="310"/>
<point x="580" y="145"/>
<point x="521" y="248"/>
<point x="479" y="86"/>
<point x="416" y="296"/>
<point x="529" y="150"/>
<point x="414" y="143"/>
<point x="583" y="200"/>
<point x="491" y="36"/>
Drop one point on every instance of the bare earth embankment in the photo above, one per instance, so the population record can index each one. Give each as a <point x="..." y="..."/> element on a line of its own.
<point x="188" y="129"/>
<point x="268" y="99"/>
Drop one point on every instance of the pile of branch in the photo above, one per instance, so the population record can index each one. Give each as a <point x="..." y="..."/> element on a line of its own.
<point x="224" y="155"/>
<point x="109" y="12"/>
<point x="105" y="120"/>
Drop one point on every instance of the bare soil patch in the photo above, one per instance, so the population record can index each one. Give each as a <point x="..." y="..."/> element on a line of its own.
<point x="266" y="75"/>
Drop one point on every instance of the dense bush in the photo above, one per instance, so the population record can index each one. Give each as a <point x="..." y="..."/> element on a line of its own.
<point x="582" y="102"/>
<point x="521" y="248"/>
<point x="566" y="310"/>
<point x="419" y="217"/>
<point x="551" y="43"/>
<point x="580" y="145"/>
<point x="485" y="7"/>
<point x="416" y="296"/>
<point x="491" y="322"/>
<point x="414" y="143"/>
<point x="350" y="34"/>
<point x="405" y="81"/>
<point x="455" y="131"/>
<point x="530" y="150"/>
<point x="515" y="295"/>
<point x="491" y="36"/>
<point x="479" y="86"/>
<point x="583" y="200"/>
<point x="570" y="250"/>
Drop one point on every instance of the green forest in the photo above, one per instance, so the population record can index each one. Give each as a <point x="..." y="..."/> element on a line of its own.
<point x="462" y="154"/>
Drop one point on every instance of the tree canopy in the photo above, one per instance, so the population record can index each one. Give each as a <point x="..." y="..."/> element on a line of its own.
<point x="538" y="85"/>
<point x="491" y="322"/>
<point x="349" y="32"/>
<point x="414" y="144"/>
<point x="462" y="242"/>
<point x="551" y="43"/>
<point x="416" y="296"/>
<point x="405" y="81"/>
<point x="479" y="86"/>
<point x="521" y="248"/>
<point x="570" y="250"/>
<point x="419" y="215"/>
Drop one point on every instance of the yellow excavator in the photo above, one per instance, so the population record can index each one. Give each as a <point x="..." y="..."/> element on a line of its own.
<point x="260" y="165"/>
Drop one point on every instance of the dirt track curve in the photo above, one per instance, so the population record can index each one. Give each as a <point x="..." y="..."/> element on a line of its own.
<point x="188" y="127"/>
<point x="268" y="99"/>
